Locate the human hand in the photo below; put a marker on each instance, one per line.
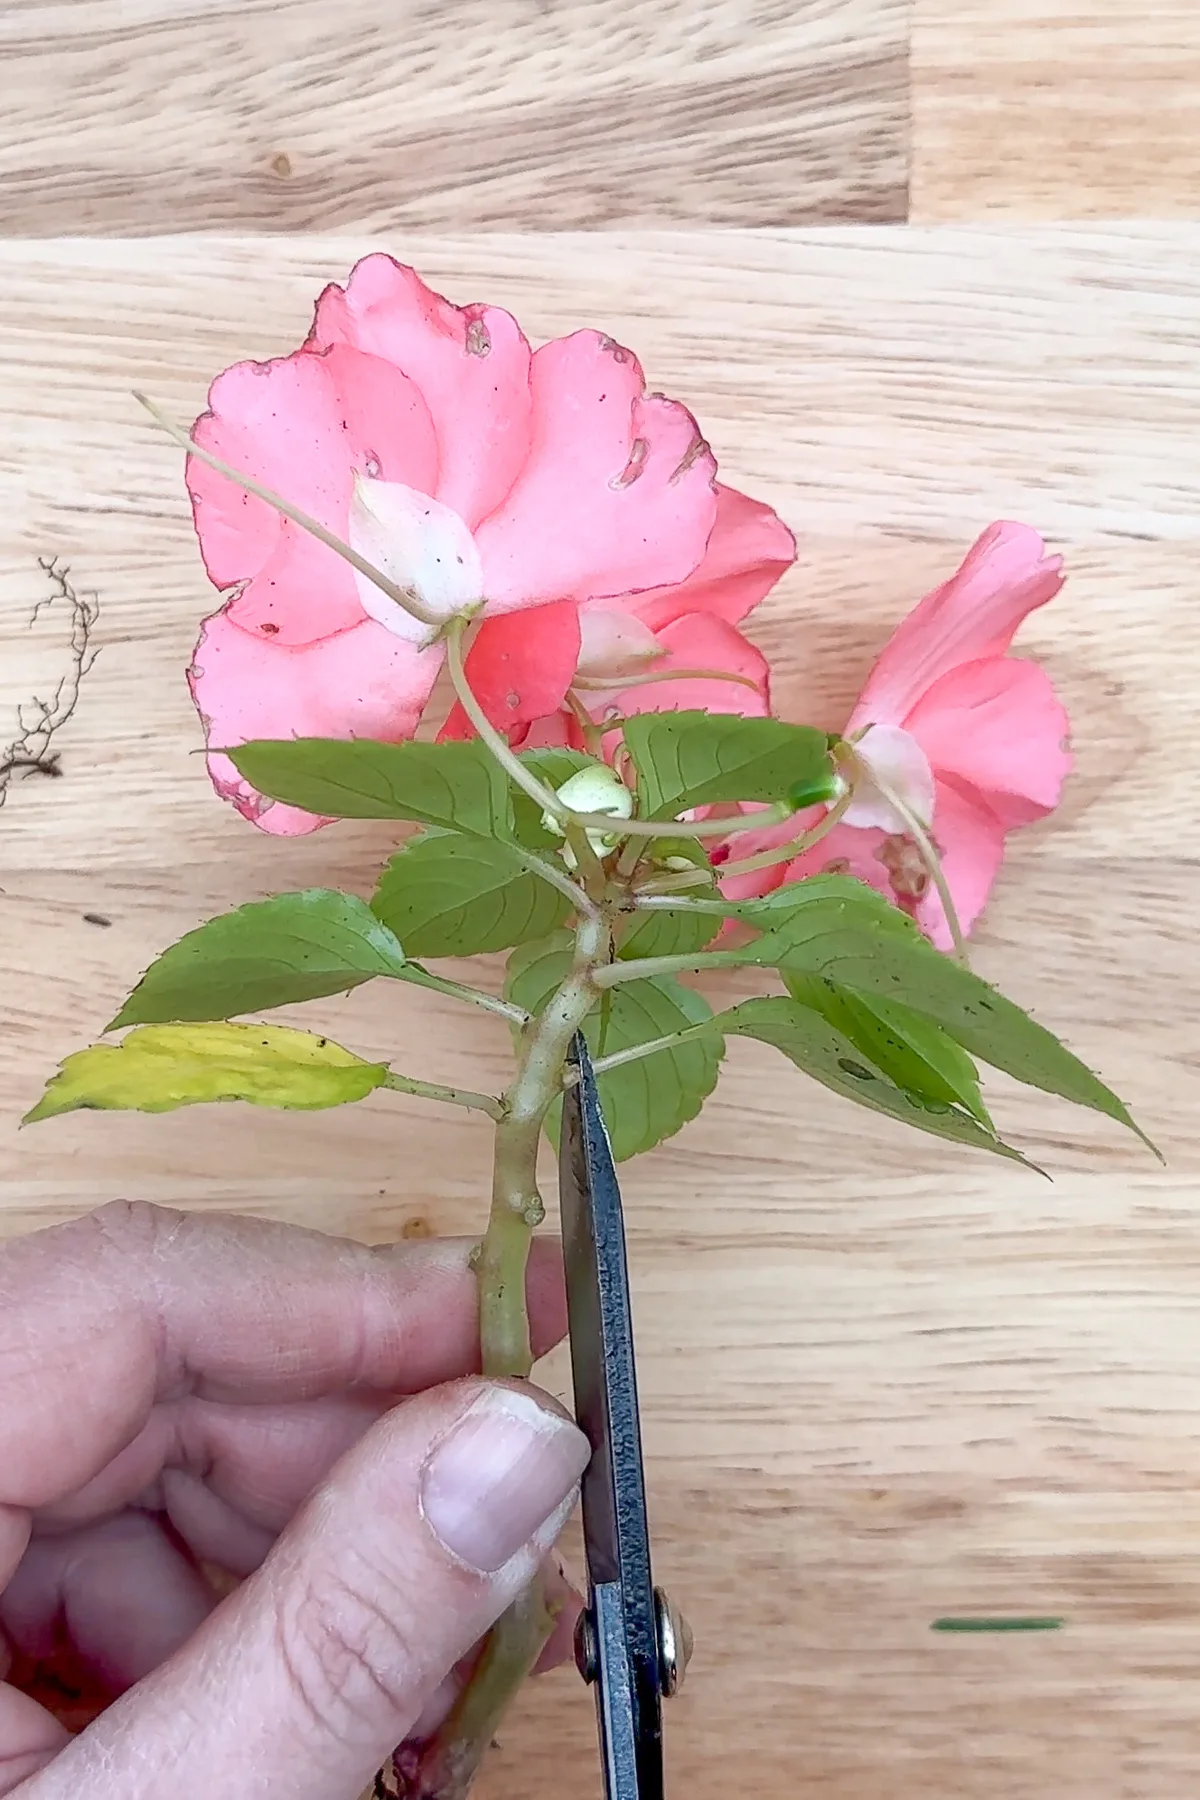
(180, 1390)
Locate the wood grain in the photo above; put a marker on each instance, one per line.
(1051, 109)
(291, 115)
(881, 1379)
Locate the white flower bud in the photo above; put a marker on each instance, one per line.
(595, 789)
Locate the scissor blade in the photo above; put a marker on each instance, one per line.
(616, 1535)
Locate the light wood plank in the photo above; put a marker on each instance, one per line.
(881, 1380)
(290, 115)
(1055, 109)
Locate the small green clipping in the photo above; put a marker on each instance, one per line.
(997, 1624)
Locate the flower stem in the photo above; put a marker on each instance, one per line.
(403, 597)
(618, 683)
(442, 1768)
(508, 759)
(931, 860)
(678, 828)
(433, 1090)
(794, 846)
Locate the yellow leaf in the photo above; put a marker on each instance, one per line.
(157, 1068)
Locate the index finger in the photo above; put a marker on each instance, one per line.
(135, 1304)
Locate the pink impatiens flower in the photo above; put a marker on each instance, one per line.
(970, 740)
(473, 473)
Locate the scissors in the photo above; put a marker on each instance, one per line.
(631, 1643)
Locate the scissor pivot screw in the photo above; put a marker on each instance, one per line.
(674, 1643)
(586, 1654)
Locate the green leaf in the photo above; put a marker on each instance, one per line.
(160, 1067)
(554, 767)
(686, 759)
(669, 932)
(822, 1051)
(270, 953)
(448, 895)
(910, 1049)
(834, 926)
(458, 786)
(647, 1101)
(535, 971)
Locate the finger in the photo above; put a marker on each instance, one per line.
(102, 1318)
(124, 1594)
(29, 1738)
(566, 1605)
(302, 1681)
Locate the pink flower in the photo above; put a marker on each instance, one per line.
(520, 669)
(472, 472)
(969, 739)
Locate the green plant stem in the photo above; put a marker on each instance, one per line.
(402, 596)
(458, 990)
(637, 1051)
(724, 909)
(516, 1203)
(794, 846)
(603, 684)
(539, 865)
(444, 1766)
(929, 856)
(643, 968)
(433, 1090)
(677, 828)
(508, 759)
(593, 734)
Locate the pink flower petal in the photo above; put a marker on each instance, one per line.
(847, 850)
(971, 840)
(422, 547)
(617, 493)
(894, 761)
(969, 837)
(519, 668)
(360, 683)
(471, 364)
(999, 726)
(698, 641)
(974, 615)
(749, 549)
(302, 424)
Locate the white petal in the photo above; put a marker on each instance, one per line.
(614, 644)
(902, 766)
(420, 545)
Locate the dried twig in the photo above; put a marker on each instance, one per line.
(38, 719)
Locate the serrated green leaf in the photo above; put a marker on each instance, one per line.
(458, 786)
(910, 1049)
(448, 895)
(822, 1051)
(646, 1101)
(687, 759)
(835, 926)
(535, 971)
(157, 1068)
(554, 766)
(270, 953)
(672, 931)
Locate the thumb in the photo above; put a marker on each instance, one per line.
(302, 1682)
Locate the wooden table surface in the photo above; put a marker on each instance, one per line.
(916, 268)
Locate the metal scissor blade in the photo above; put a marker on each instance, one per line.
(623, 1618)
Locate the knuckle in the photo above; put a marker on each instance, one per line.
(126, 1225)
(348, 1650)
